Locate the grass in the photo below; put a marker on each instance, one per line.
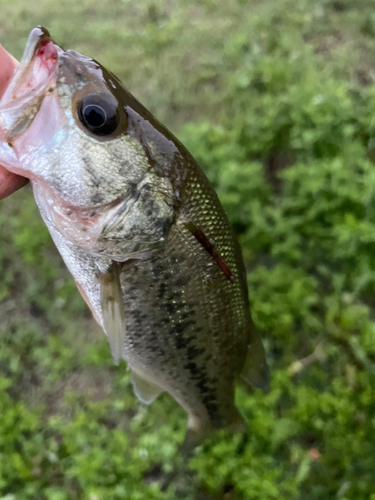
(276, 100)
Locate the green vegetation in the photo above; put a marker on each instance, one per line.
(276, 99)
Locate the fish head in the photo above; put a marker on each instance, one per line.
(68, 125)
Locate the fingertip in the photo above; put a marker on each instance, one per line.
(9, 183)
(8, 65)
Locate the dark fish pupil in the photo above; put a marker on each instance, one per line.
(94, 116)
(98, 113)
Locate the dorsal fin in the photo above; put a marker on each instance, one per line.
(255, 372)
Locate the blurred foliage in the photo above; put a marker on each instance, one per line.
(276, 100)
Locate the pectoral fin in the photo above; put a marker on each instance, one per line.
(113, 309)
(145, 390)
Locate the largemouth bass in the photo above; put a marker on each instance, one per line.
(141, 230)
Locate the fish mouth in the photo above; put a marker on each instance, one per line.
(34, 78)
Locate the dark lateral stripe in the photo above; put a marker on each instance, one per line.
(207, 393)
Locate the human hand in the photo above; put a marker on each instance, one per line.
(8, 182)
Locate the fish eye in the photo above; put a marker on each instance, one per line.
(99, 113)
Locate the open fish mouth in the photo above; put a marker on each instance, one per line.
(34, 78)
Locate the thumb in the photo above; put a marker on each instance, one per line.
(8, 182)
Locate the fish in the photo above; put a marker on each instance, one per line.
(141, 230)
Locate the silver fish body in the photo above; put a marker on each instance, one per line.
(140, 229)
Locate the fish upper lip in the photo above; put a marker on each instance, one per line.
(38, 39)
(35, 75)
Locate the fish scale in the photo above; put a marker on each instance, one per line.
(141, 230)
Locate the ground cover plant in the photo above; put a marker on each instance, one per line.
(276, 100)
